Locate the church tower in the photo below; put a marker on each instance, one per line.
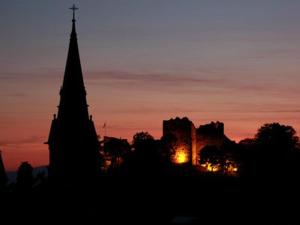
(73, 142)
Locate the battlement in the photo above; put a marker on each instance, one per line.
(213, 129)
(179, 124)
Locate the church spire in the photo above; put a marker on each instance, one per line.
(73, 89)
(73, 141)
(73, 8)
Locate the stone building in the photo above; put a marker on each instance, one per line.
(211, 134)
(183, 133)
(189, 141)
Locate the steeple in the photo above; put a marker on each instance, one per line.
(73, 94)
(73, 142)
(73, 8)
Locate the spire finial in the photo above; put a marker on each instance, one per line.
(73, 8)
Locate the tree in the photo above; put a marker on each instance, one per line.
(270, 153)
(168, 144)
(277, 138)
(140, 139)
(212, 155)
(146, 156)
(117, 149)
(25, 177)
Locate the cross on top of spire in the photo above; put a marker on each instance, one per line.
(73, 8)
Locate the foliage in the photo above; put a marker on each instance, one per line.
(168, 145)
(117, 149)
(272, 152)
(141, 138)
(277, 138)
(25, 177)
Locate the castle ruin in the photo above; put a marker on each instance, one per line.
(189, 141)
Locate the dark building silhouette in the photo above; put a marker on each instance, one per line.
(3, 176)
(211, 134)
(73, 141)
(190, 140)
(185, 134)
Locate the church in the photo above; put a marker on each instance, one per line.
(73, 141)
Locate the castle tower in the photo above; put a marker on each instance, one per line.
(211, 134)
(183, 133)
(73, 142)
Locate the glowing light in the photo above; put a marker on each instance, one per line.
(210, 167)
(232, 167)
(181, 156)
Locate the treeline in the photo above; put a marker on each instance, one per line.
(273, 154)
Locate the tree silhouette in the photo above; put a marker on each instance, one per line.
(279, 139)
(269, 154)
(168, 144)
(214, 156)
(117, 149)
(146, 156)
(25, 177)
(140, 139)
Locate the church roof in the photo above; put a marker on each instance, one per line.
(73, 72)
(73, 102)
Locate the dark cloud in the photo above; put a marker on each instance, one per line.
(148, 77)
(213, 82)
(26, 140)
(40, 73)
(16, 95)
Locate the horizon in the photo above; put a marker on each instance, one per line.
(144, 62)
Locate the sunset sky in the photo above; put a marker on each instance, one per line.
(145, 61)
